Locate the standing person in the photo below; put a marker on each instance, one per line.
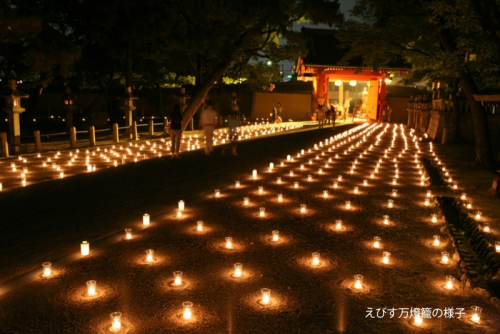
(233, 124)
(321, 115)
(279, 110)
(208, 120)
(175, 130)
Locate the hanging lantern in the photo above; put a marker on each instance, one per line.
(352, 82)
(338, 82)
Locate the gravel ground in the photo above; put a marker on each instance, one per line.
(304, 298)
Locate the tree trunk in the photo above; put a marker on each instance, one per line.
(456, 112)
(484, 151)
(202, 91)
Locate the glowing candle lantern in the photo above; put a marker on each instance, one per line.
(217, 193)
(177, 277)
(116, 322)
(145, 219)
(128, 233)
(237, 269)
(254, 174)
(497, 246)
(278, 180)
(436, 240)
(469, 204)
(237, 184)
(245, 200)
(455, 186)
(365, 182)
(445, 257)
(291, 173)
(394, 181)
(376, 242)
(303, 208)
(372, 175)
(418, 320)
(339, 178)
(386, 220)
(262, 211)
(47, 269)
(266, 296)
(338, 224)
(301, 166)
(181, 205)
(394, 192)
(309, 178)
(179, 213)
(434, 218)
(449, 282)
(348, 205)
(335, 185)
(476, 314)
(85, 248)
(296, 185)
(91, 287)
(276, 234)
(390, 203)
(187, 306)
(229, 243)
(325, 193)
(149, 255)
(463, 196)
(261, 190)
(320, 171)
(478, 215)
(386, 256)
(428, 193)
(288, 157)
(427, 201)
(358, 280)
(1, 186)
(282, 164)
(61, 175)
(486, 228)
(315, 259)
(271, 166)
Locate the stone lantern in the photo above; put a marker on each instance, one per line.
(233, 100)
(182, 100)
(13, 109)
(127, 105)
(68, 102)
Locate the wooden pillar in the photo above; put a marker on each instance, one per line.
(72, 137)
(151, 128)
(4, 144)
(381, 100)
(165, 125)
(92, 136)
(116, 135)
(38, 141)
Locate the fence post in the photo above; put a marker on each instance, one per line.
(151, 128)
(116, 135)
(5, 144)
(92, 135)
(134, 131)
(72, 137)
(38, 141)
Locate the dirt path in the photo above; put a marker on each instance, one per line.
(304, 298)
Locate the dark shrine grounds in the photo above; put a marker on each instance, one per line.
(47, 221)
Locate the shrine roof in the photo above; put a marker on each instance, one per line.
(325, 50)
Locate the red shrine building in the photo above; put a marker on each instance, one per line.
(349, 87)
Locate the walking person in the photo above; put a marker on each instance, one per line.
(233, 124)
(175, 131)
(208, 120)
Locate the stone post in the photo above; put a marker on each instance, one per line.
(38, 141)
(165, 125)
(4, 144)
(72, 137)
(128, 107)
(116, 135)
(135, 136)
(13, 109)
(92, 136)
(151, 128)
